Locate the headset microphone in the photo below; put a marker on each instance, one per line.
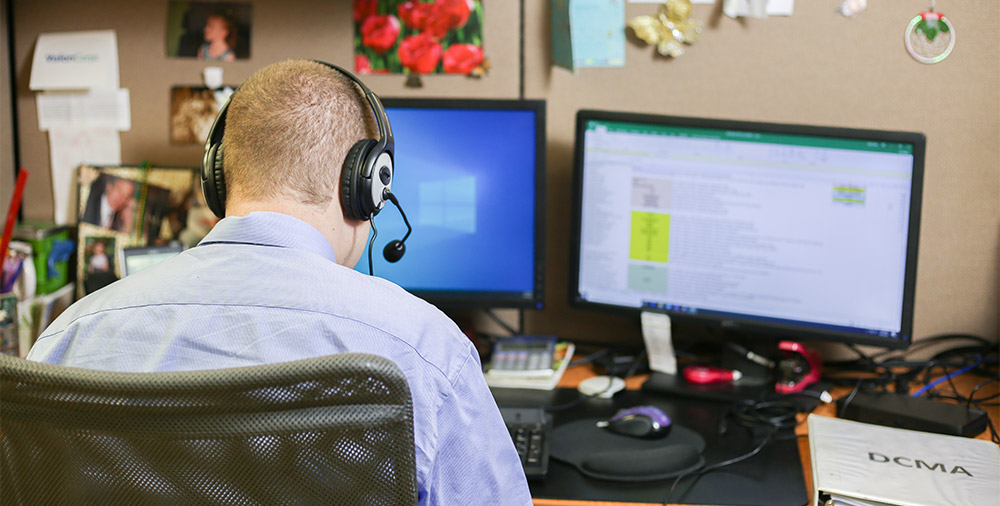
(395, 249)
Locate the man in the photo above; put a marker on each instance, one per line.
(113, 207)
(273, 282)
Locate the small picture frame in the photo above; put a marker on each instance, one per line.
(121, 207)
(209, 31)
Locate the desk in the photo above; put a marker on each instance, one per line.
(574, 375)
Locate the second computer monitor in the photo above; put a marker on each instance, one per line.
(470, 176)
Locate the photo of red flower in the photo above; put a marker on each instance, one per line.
(420, 53)
(418, 36)
(462, 58)
(380, 32)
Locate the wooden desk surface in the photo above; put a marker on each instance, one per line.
(575, 375)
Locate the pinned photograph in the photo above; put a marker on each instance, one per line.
(99, 264)
(419, 37)
(192, 111)
(209, 31)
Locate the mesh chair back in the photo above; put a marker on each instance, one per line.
(329, 430)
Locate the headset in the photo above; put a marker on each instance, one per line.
(366, 177)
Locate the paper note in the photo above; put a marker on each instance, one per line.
(588, 33)
(758, 8)
(95, 108)
(70, 146)
(707, 2)
(659, 342)
(75, 61)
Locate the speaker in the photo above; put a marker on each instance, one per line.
(366, 176)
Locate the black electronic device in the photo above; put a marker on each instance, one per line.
(529, 427)
(472, 172)
(753, 231)
(914, 413)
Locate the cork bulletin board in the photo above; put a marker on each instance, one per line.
(814, 67)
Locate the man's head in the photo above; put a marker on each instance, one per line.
(288, 129)
(119, 192)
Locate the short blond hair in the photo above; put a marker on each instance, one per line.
(288, 129)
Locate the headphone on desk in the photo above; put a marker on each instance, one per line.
(366, 176)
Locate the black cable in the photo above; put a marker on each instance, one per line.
(495, 318)
(850, 398)
(697, 473)
(371, 270)
(969, 401)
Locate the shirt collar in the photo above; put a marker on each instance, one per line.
(270, 229)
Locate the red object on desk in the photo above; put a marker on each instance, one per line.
(703, 374)
(15, 204)
(804, 366)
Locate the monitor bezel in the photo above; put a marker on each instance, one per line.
(465, 299)
(748, 327)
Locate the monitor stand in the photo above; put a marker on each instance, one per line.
(757, 381)
(663, 383)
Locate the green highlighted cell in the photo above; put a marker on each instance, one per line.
(647, 278)
(650, 236)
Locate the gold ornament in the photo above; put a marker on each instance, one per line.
(670, 27)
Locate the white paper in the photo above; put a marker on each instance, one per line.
(758, 8)
(659, 342)
(75, 61)
(94, 108)
(706, 2)
(71, 146)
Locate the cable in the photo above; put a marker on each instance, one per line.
(697, 473)
(948, 377)
(495, 318)
(850, 398)
(371, 270)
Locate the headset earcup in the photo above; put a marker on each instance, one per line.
(353, 190)
(213, 181)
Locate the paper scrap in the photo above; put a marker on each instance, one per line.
(758, 8)
(588, 33)
(71, 146)
(75, 61)
(94, 108)
(659, 342)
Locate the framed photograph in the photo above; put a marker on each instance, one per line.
(192, 111)
(134, 206)
(209, 31)
(99, 269)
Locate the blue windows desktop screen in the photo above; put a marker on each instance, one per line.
(468, 175)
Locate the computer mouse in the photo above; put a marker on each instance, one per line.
(638, 421)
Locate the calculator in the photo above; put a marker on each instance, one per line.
(523, 356)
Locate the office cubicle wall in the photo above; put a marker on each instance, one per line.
(815, 67)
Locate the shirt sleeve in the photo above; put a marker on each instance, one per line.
(476, 462)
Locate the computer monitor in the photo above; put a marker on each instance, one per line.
(137, 258)
(763, 229)
(470, 176)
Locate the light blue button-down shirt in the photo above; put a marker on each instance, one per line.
(265, 288)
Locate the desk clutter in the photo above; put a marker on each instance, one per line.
(731, 442)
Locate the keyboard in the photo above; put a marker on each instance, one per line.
(529, 427)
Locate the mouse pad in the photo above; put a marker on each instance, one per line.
(605, 455)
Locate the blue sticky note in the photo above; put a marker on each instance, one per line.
(588, 33)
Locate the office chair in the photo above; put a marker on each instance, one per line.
(328, 430)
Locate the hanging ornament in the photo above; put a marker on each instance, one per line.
(929, 37)
(670, 28)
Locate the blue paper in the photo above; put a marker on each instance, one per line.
(588, 33)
